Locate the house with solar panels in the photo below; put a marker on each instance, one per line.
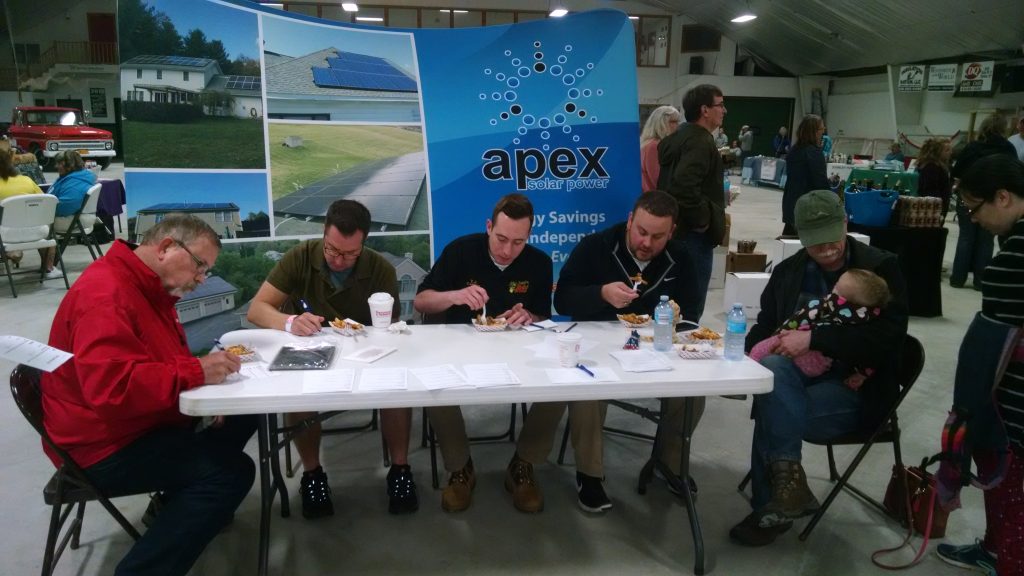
(330, 84)
(224, 217)
(182, 79)
(212, 297)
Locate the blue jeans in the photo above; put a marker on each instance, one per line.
(798, 407)
(973, 249)
(204, 477)
(701, 251)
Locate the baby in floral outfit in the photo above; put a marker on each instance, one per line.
(858, 297)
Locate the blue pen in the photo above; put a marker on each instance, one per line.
(305, 306)
(585, 369)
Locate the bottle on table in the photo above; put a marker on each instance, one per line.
(735, 332)
(663, 327)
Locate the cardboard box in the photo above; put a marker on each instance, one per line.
(728, 227)
(753, 262)
(718, 268)
(746, 288)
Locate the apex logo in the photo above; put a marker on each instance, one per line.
(532, 164)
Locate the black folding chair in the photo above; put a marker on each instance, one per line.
(69, 485)
(911, 363)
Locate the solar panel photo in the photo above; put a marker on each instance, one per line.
(362, 72)
(387, 187)
(243, 82)
(170, 61)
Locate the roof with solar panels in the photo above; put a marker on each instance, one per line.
(187, 63)
(332, 72)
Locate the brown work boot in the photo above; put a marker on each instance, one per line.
(519, 480)
(458, 494)
(791, 498)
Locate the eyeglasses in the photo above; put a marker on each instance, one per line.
(972, 210)
(202, 268)
(719, 105)
(333, 252)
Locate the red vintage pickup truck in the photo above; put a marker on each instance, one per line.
(46, 130)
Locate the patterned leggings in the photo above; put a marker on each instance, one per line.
(1004, 515)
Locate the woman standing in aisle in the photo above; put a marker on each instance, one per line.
(933, 171)
(974, 244)
(662, 122)
(805, 168)
(992, 193)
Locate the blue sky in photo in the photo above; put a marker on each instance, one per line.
(236, 29)
(296, 38)
(248, 190)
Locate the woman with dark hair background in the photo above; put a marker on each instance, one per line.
(933, 171)
(974, 245)
(805, 168)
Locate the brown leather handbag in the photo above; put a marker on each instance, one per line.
(921, 488)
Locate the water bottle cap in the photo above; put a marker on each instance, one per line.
(737, 305)
(664, 298)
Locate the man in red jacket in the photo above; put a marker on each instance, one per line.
(114, 406)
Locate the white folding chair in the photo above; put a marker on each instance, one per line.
(25, 224)
(81, 224)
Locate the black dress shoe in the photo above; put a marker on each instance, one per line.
(750, 531)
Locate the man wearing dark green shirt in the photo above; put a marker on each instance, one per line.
(325, 279)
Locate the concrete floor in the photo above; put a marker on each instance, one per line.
(640, 535)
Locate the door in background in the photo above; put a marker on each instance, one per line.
(763, 115)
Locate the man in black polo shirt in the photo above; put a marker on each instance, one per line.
(499, 269)
(600, 280)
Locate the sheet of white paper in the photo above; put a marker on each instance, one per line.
(322, 381)
(250, 371)
(254, 371)
(641, 360)
(577, 376)
(370, 353)
(487, 375)
(439, 377)
(377, 379)
(548, 348)
(29, 352)
(542, 325)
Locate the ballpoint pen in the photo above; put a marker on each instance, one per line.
(305, 305)
(585, 369)
(571, 326)
(218, 345)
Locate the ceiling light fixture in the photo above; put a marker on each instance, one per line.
(369, 18)
(745, 17)
(558, 12)
(634, 17)
(350, 7)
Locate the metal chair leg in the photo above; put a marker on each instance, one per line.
(833, 473)
(743, 484)
(76, 533)
(565, 441)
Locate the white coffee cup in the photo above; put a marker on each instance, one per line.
(569, 349)
(380, 309)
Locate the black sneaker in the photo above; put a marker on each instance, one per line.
(316, 494)
(591, 494)
(402, 497)
(756, 530)
(156, 503)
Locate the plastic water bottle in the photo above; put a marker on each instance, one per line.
(735, 332)
(725, 186)
(663, 325)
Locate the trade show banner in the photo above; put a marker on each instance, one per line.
(256, 120)
(427, 127)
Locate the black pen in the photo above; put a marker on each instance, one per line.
(571, 326)
(218, 345)
(585, 369)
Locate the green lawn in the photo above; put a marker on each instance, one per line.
(327, 150)
(208, 143)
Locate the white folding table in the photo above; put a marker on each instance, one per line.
(432, 345)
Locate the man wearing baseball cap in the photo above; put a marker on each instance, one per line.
(816, 408)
